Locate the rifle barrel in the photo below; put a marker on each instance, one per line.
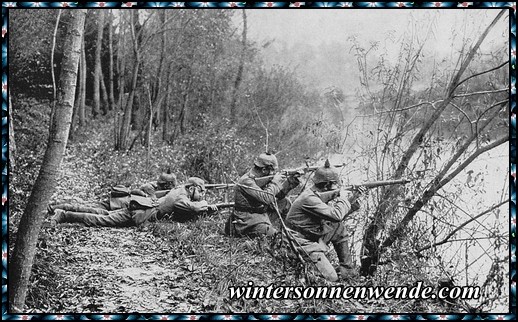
(225, 205)
(375, 184)
(219, 185)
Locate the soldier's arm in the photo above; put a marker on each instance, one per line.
(334, 211)
(265, 196)
(187, 206)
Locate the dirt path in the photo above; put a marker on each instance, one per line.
(108, 270)
(118, 270)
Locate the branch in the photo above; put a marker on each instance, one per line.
(472, 52)
(428, 194)
(482, 92)
(460, 110)
(478, 74)
(445, 240)
(262, 124)
(460, 151)
(470, 159)
(402, 109)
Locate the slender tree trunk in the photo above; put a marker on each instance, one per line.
(82, 85)
(110, 53)
(30, 224)
(97, 67)
(121, 72)
(53, 111)
(372, 247)
(104, 95)
(128, 109)
(239, 75)
(79, 102)
(126, 118)
(12, 143)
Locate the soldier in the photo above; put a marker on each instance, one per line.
(119, 197)
(254, 199)
(316, 219)
(185, 200)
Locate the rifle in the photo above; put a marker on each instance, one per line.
(224, 205)
(330, 195)
(262, 181)
(161, 193)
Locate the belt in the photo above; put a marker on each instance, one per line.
(251, 209)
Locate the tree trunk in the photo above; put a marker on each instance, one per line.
(12, 144)
(104, 95)
(110, 72)
(239, 75)
(79, 105)
(372, 248)
(97, 68)
(82, 85)
(121, 72)
(126, 118)
(32, 218)
(52, 67)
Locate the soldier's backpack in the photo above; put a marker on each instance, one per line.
(119, 197)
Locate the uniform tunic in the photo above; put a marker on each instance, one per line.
(176, 201)
(314, 223)
(251, 206)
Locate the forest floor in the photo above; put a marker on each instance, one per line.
(164, 267)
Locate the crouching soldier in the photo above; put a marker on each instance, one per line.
(254, 199)
(185, 200)
(316, 219)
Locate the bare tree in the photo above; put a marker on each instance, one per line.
(32, 218)
(373, 246)
(97, 67)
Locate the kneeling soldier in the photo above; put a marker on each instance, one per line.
(316, 219)
(254, 200)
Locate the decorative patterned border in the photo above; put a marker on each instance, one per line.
(5, 131)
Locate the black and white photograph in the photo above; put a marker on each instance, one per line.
(259, 161)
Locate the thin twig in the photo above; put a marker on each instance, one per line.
(445, 240)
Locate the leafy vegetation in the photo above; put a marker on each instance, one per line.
(173, 74)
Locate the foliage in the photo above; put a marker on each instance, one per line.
(215, 151)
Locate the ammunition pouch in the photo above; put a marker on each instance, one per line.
(139, 202)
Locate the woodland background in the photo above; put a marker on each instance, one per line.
(190, 90)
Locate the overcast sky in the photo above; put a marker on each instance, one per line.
(317, 25)
(314, 30)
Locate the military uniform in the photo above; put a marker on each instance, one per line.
(253, 204)
(139, 210)
(251, 207)
(315, 223)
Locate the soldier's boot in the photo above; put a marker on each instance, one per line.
(324, 266)
(57, 217)
(77, 208)
(346, 268)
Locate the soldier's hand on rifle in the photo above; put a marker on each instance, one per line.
(278, 178)
(293, 181)
(359, 191)
(213, 208)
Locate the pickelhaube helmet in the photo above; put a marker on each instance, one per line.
(327, 173)
(266, 160)
(166, 180)
(196, 182)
